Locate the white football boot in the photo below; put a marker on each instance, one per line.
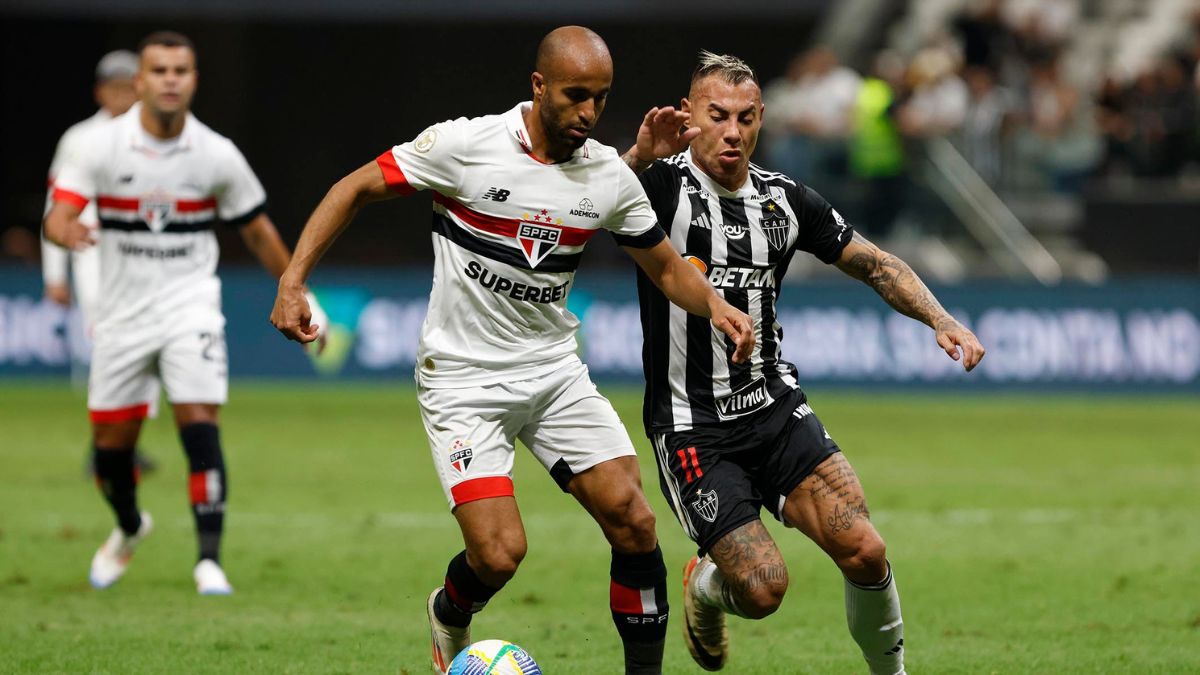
(704, 628)
(447, 641)
(210, 579)
(112, 558)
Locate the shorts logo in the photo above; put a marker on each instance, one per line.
(775, 224)
(705, 505)
(156, 209)
(426, 140)
(749, 398)
(461, 455)
(539, 237)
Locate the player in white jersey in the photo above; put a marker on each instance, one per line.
(516, 197)
(160, 179)
(729, 438)
(114, 93)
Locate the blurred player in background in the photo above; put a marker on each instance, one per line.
(729, 437)
(114, 92)
(517, 195)
(161, 180)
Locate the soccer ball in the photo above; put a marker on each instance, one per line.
(493, 657)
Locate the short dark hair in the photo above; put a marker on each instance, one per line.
(166, 38)
(729, 68)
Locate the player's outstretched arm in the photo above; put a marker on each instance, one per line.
(661, 135)
(292, 314)
(896, 283)
(62, 227)
(685, 286)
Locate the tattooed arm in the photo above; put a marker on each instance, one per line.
(897, 284)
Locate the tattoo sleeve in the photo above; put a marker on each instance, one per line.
(631, 160)
(894, 281)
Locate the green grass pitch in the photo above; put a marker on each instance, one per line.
(1029, 535)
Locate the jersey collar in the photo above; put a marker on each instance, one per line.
(140, 140)
(514, 119)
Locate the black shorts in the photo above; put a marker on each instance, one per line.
(718, 478)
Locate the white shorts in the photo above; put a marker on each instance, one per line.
(127, 367)
(567, 424)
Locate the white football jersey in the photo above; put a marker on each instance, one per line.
(508, 233)
(55, 259)
(157, 201)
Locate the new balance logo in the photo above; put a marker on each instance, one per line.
(702, 221)
(128, 178)
(497, 194)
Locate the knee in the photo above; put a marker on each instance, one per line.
(760, 600)
(866, 560)
(498, 560)
(629, 524)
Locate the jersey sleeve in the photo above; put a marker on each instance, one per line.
(431, 161)
(240, 196)
(633, 223)
(661, 182)
(823, 231)
(76, 168)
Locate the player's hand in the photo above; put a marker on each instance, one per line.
(292, 316)
(320, 320)
(59, 294)
(76, 236)
(737, 325)
(953, 336)
(662, 134)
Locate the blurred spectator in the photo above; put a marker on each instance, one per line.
(876, 148)
(19, 245)
(938, 104)
(1062, 132)
(989, 110)
(813, 108)
(1162, 114)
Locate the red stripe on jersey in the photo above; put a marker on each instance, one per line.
(393, 175)
(624, 599)
(508, 227)
(198, 487)
(68, 197)
(133, 204)
(481, 488)
(133, 412)
(194, 205)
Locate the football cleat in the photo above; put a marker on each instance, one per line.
(210, 579)
(704, 628)
(447, 641)
(112, 558)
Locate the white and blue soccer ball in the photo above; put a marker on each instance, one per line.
(493, 657)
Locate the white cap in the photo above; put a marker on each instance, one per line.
(121, 64)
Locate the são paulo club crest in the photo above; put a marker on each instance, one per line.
(461, 455)
(538, 236)
(775, 224)
(156, 209)
(705, 504)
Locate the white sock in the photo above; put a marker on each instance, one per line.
(712, 589)
(873, 616)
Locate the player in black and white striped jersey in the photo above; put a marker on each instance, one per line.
(731, 438)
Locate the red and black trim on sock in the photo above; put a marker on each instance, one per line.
(208, 487)
(463, 595)
(638, 598)
(117, 477)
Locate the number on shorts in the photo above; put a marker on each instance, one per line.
(211, 340)
(684, 458)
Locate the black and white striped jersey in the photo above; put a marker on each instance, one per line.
(743, 242)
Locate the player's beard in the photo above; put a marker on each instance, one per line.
(556, 132)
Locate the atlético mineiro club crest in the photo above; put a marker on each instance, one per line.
(775, 224)
(538, 236)
(461, 455)
(156, 209)
(705, 504)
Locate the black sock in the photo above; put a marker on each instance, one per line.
(638, 597)
(464, 593)
(207, 486)
(117, 478)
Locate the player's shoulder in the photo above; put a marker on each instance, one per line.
(776, 178)
(597, 152)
